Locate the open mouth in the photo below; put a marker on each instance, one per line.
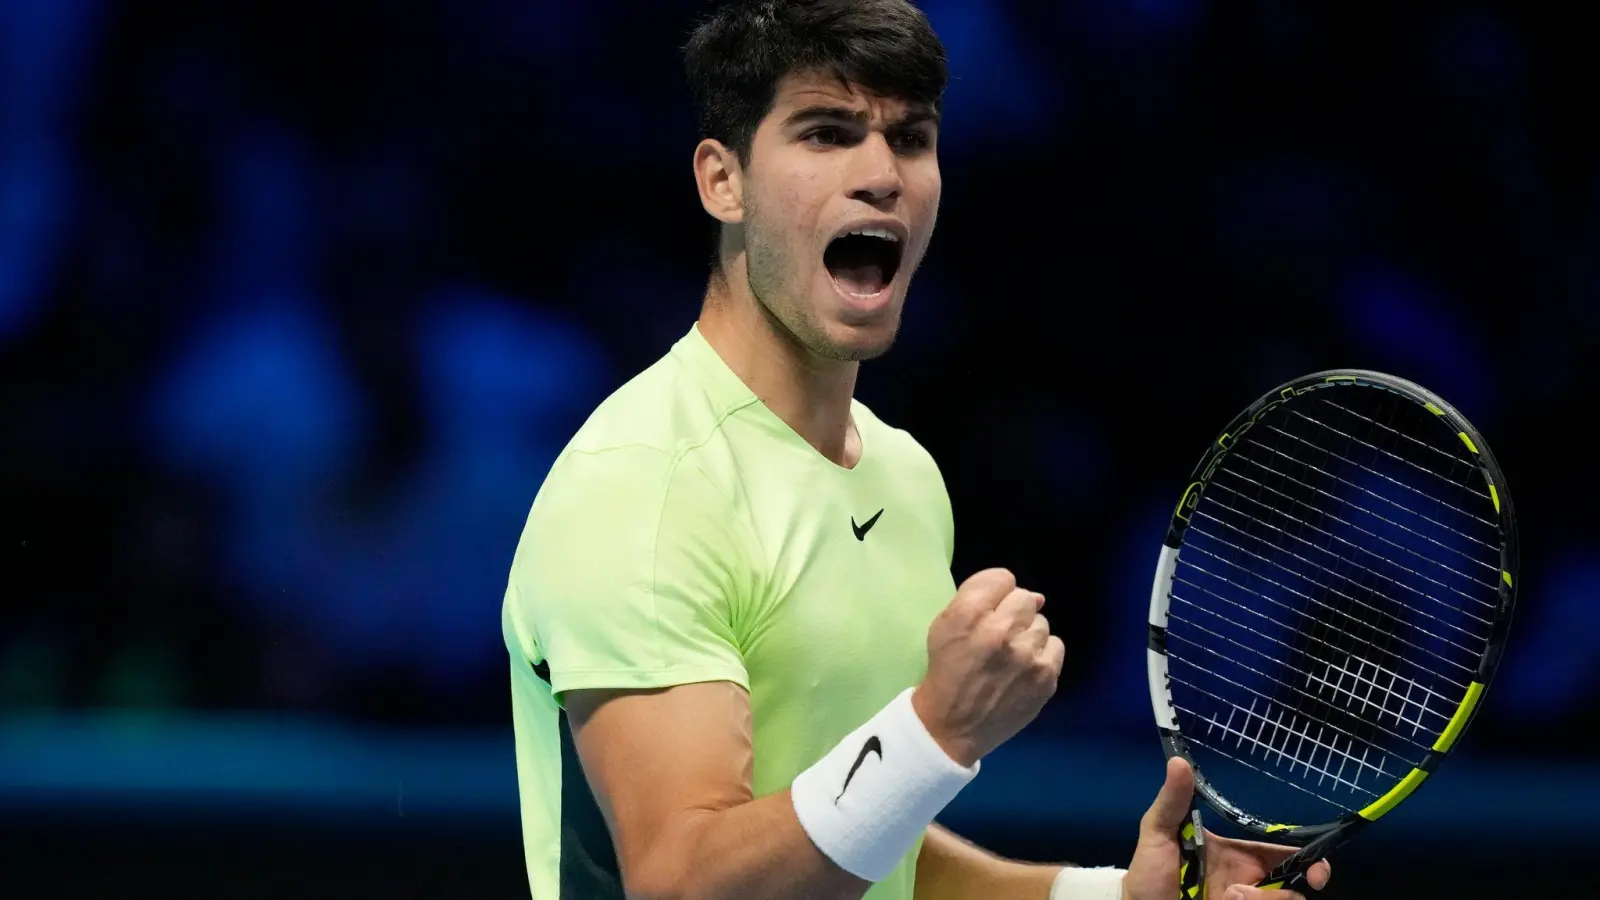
(863, 262)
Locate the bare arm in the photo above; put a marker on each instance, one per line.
(950, 868)
(671, 772)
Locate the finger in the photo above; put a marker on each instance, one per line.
(1033, 638)
(1172, 804)
(1317, 876)
(1017, 611)
(1269, 854)
(980, 594)
(1053, 655)
(991, 585)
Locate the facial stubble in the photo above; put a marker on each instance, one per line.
(776, 272)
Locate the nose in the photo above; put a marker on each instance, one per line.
(876, 178)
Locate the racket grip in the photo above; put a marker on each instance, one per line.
(1192, 859)
(1290, 875)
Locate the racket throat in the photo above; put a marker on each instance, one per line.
(1291, 873)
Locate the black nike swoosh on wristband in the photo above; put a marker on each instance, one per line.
(873, 745)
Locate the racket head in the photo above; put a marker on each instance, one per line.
(1351, 567)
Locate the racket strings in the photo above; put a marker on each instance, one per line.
(1357, 508)
(1392, 480)
(1324, 622)
(1298, 733)
(1456, 461)
(1351, 584)
(1343, 542)
(1397, 505)
(1276, 641)
(1328, 668)
(1337, 806)
(1281, 625)
(1260, 695)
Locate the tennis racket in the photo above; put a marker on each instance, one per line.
(1329, 608)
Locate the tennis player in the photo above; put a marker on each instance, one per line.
(740, 665)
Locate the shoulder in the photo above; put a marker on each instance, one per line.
(663, 420)
(667, 408)
(653, 466)
(632, 525)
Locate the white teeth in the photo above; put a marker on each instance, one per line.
(883, 233)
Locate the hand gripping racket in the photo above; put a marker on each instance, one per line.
(1329, 608)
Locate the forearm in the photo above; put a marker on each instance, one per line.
(755, 849)
(952, 868)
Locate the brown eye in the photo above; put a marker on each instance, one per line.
(912, 140)
(826, 136)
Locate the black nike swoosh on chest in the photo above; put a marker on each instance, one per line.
(862, 529)
(873, 745)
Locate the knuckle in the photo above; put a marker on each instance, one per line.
(1020, 651)
(993, 633)
(961, 612)
(992, 582)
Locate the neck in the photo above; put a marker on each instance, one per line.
(809, 393)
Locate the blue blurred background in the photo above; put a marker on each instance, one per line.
(298, 302)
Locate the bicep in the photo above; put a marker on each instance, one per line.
(657, 760)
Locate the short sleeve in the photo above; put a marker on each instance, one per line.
(628, 574)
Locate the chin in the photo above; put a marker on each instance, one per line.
(853, 327)
(857, 342)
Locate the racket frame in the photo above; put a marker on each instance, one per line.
(1315, 840)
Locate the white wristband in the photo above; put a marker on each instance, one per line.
(1088, 884)
(870, 798)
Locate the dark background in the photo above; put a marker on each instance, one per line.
(298, 302)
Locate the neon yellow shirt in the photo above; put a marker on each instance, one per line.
(687, 534)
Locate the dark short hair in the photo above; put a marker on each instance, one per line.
(742, 49)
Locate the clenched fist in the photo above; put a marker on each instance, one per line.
(992, 664)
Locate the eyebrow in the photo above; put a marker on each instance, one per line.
(916, 115)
